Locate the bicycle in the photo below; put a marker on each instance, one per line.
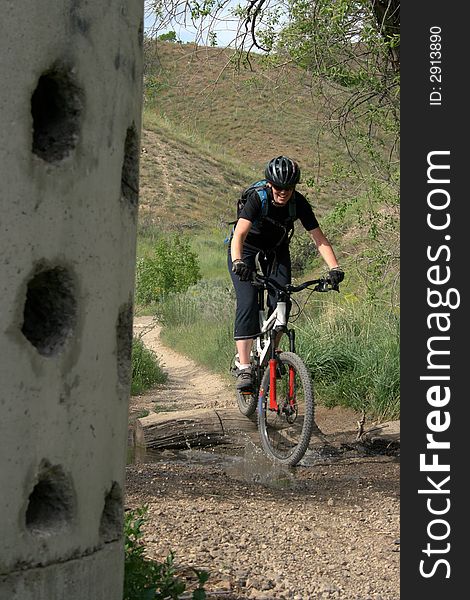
(282, 387)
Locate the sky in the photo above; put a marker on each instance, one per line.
(226, 29)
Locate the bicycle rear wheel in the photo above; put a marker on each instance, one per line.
(247, 401)
(285, 433)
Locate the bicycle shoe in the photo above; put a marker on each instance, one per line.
(244, 380)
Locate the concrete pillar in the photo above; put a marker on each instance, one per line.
(70, 108)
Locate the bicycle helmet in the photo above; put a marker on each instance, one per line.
(282, 172)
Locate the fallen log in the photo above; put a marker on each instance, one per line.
(191, 428)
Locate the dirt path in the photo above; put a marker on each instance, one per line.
(328, 528)
(188, 385)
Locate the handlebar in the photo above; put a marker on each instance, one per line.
(321, 285)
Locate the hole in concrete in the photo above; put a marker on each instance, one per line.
(50, 310)
(51, 504)
(56, 107)
(112, 517)
(130, 169)
(124, 344)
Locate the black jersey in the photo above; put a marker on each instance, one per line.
(267, 233)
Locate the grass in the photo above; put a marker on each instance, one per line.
(210, 127)
(186, 183)
(207, 91)
(351, 347)
(146, 369)
(353, 350)
(212, 253)
(199, 323)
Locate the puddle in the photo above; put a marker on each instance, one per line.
(253, 466)
(248, 463)
(136, 454)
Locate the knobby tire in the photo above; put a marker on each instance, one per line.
(247, 403)
(283, 441)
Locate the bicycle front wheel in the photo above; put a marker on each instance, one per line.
(285, 431)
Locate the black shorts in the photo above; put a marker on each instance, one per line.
(276, 265)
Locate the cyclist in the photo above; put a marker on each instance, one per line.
(267, 233)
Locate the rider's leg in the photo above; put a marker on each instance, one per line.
(246, 322)
(244, 349)
(246, 315)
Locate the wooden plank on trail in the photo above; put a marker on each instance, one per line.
(199, 427)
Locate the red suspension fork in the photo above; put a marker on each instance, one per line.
(291, 385)
(272, 384)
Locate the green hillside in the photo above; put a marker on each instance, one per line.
(222, 125)
(254, 114)
(210, 125)
(185, 183)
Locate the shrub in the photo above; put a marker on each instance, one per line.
(146, 579)
(208, 300)
(172, 267)
(146, 370)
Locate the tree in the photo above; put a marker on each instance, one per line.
(170, 36)
(354, 47)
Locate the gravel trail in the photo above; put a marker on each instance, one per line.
(329, 528)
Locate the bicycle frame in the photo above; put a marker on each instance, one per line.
(276, 323)
(270, 327)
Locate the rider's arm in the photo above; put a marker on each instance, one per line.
(324, 247)
(242, 228)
